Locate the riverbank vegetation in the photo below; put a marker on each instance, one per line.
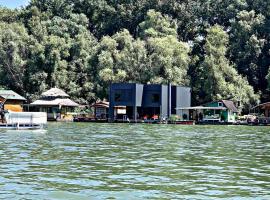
(219, 48)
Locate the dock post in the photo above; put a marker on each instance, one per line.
(135, 113)
(111, 106)
(169, 100)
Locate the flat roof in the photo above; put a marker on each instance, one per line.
(201, 108)
(120, 107)
(151, 84)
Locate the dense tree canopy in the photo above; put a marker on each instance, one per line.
(219, 48)
(219, 78)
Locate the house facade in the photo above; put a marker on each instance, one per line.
(155, 102)
(56, 103)
(181, 97)
(101, 109)
(227, 113)
(131, 101)
(125, 100)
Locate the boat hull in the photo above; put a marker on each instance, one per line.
(21, 126)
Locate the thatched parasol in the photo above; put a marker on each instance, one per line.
(54, 92)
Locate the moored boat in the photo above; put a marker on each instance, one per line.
(24, 120)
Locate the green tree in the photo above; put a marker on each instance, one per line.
(83, 45)
(121, 58)
(62, 8)
(168, 57)
(109, 17)
(14, 41)
(157, 25)
(246, 45)
(8, 15)
(219, 79)
(61, 55)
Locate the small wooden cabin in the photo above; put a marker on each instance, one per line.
(228, 114)
(217, 111)
(262, 109)
(101, 109)
(56, 103)
(13, 101)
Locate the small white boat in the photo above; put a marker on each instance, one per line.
(24, 120)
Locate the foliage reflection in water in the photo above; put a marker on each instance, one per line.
(122, 161)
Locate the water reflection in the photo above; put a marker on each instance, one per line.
(99, 161)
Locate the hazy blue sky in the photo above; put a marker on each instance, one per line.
(13, 3)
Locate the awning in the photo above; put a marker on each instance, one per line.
(201, 108)
(101, 104)
(120, 107)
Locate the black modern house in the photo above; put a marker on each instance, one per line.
(132, 101)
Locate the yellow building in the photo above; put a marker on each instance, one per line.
(12, 101)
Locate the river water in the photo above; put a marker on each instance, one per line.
(122, 161)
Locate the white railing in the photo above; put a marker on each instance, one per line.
(26, 118)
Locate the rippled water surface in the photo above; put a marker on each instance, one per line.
(121, 161)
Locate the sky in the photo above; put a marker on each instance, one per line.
(13, 3)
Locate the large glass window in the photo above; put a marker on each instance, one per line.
(118, 96)
(155, 98)
(128, 95)
(100, 111)
(123, 95)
